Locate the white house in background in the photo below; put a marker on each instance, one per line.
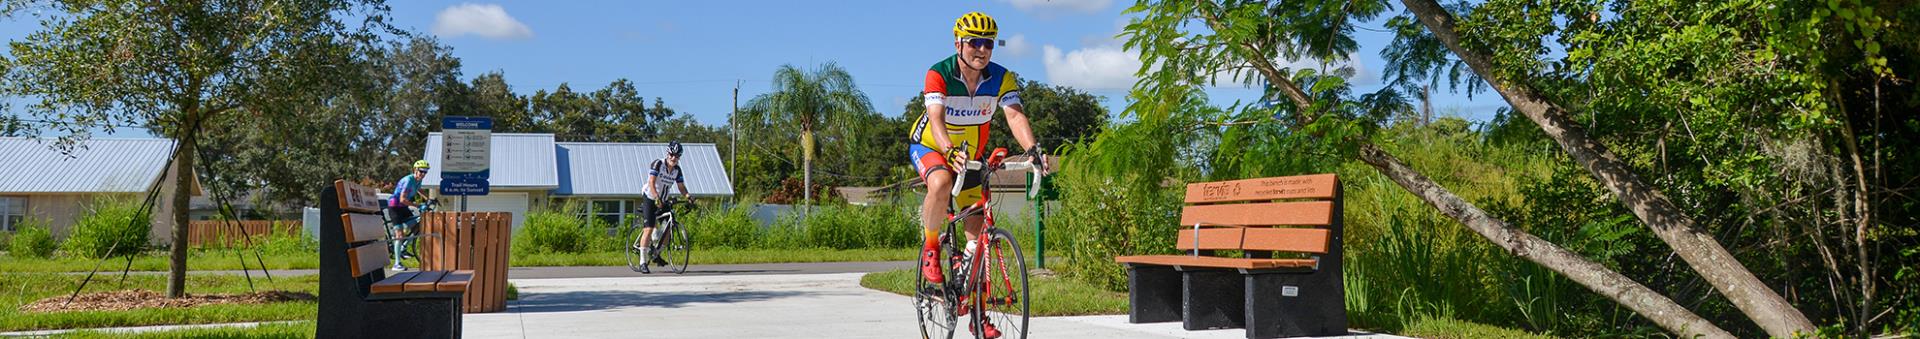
(531, 171)
(41, 183)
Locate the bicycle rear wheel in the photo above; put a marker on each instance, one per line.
(1002, 287)
(634, 261)
(677, 247)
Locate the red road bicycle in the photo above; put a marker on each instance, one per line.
(988, 283)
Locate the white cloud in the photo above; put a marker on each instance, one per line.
(1088, 6)
(1017, 46)
(1361, 75)
(485, 20)
(1103, 67)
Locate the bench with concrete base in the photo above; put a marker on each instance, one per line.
(1285, 280)
(357, 298)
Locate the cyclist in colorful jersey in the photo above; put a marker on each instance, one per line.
(962, 93)
(661, 173)
(406, 197)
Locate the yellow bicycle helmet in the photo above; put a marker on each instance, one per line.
(422, 164)
(975, 25)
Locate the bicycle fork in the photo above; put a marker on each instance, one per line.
(976, 276)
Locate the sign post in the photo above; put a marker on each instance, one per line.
(466, 154)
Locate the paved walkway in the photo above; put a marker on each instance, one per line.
(619, 271)
(749, 306)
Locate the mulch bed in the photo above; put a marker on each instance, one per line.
(139, 299)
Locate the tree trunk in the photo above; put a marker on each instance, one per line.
(1672, 225)
(1593, 276)
(806, 147)
(181, 193)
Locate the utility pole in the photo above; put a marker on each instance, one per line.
(1426, 105)
(733, 128)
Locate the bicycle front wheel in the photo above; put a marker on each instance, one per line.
(934, 302)
(634, 260)
(1002, 289)
(677, 248)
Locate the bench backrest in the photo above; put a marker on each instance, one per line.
(365, 231)
(1282, 214)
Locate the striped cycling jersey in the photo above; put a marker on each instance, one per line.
(967, 113)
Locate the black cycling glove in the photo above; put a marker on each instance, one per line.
(1039, 155)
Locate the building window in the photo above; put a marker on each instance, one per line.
(13, 212)
(607, 213)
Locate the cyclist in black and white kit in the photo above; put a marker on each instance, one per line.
(659, 174)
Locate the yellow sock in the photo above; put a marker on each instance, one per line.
(933, 238)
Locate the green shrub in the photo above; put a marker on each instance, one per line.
(850, 227)
(6, 240)
(31, 239)
(112, 226)
(554, 232)
(729, 228)
(602, 237)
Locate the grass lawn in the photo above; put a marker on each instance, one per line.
(304, 329)
(1052, 296)
(701, 256)
(197, 260)
(18, 289)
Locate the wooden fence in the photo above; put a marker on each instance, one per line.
(219, 233)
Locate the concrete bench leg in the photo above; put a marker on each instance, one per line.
(1154, 294)
(1293, 305)
(1214, 299)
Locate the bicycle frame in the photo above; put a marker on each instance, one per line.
(984, 207)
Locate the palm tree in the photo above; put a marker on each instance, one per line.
(823, 96)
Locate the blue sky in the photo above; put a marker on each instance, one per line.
(691, 53)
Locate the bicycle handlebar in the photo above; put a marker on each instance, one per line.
(995, 162)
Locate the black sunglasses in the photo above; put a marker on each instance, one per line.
(981, 43)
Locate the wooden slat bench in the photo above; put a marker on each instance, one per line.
(1286, 281)
(357, 298)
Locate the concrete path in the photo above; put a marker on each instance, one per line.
(618, 271)
(749, 306)
(517, 273)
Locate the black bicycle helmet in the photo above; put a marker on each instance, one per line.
(674, 149)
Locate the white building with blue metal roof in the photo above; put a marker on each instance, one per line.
(41, 183)
(531, 171)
